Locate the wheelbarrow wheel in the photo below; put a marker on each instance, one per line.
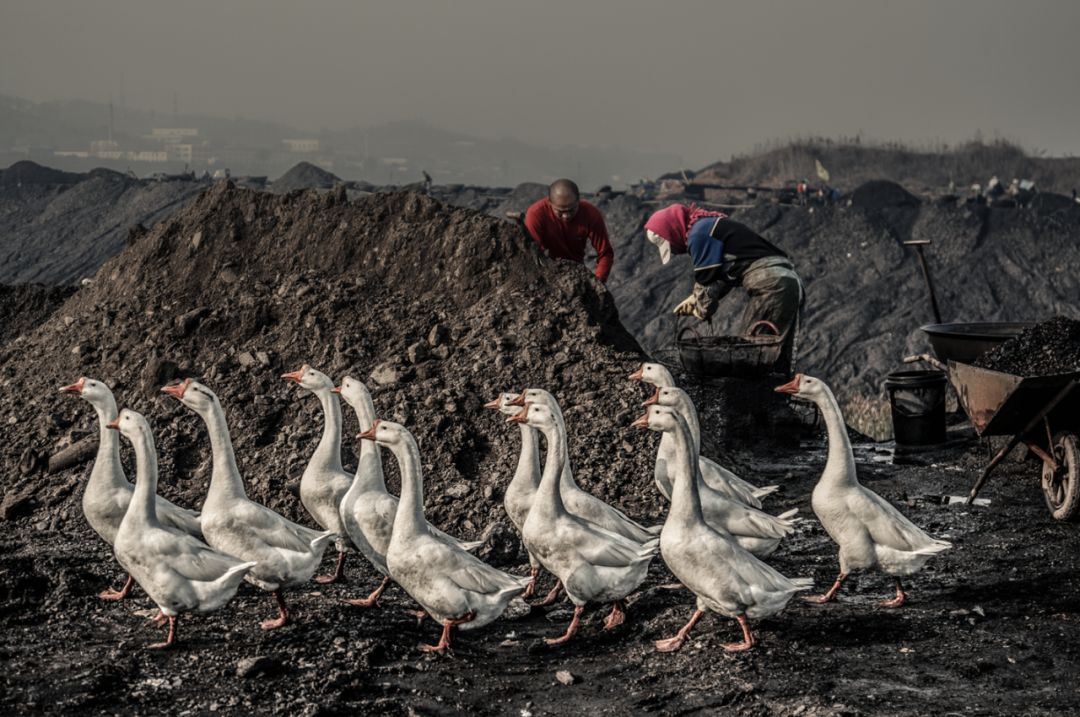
(1061, 487)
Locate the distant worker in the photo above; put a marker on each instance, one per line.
(427, 182)
(563, 222)
(727, 254)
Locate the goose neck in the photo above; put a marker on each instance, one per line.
(328, 453)
(144, 499)
(529, 459)
(410, 510)
(548, 495)
(685, 498)
(840, 463)
(108, 453)
(690, 416)
(225, 481)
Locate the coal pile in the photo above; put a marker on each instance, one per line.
(304, 175)
(26, 306)
(59, 227)
(438, 308)
(1049, 348)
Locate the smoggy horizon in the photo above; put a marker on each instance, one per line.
(697, 80)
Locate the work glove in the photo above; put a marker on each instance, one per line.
(689, 307)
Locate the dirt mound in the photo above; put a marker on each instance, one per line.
(881, 194)
(1046, 349)
(442, 307)
(25, 307)
(27, 172)
(304, 175)
(63, 227)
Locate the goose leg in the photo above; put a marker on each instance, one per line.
(900, 599)
(168, 640)
(674, 643)
(283, 614)
(531, 588)
(444, 640)
(748, 639)
(617, 616)
(161, 619)
(338, 571)
(571, 630)
(110, 594)
(371, 599)
(822, 599)
(418, 614)
(553, 595)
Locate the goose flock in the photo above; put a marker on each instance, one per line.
(714, 539)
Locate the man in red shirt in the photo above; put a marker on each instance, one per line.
(564, 221)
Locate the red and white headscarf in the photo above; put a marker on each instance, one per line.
(673, 224)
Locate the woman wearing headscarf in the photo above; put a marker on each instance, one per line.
(727, 254)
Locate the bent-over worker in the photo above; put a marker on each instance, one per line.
(563, 222)
(727, 254)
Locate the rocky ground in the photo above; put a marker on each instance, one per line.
(990, 629)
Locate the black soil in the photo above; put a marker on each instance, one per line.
(1049, 348)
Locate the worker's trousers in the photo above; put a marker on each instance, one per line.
(776, 295)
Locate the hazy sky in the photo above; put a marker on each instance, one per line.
(699, 79)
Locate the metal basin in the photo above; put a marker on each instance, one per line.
(966, 342)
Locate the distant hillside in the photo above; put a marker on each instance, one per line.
(851, 163)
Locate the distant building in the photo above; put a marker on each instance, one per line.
(301, 145)
(180, 152)
(171, 135)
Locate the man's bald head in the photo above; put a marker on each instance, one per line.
(563, 188)
(564, 197)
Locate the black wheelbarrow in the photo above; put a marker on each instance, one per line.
(1042, 412)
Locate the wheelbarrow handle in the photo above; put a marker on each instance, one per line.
(928, 359)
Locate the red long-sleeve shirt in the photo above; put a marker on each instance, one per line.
(566, 240)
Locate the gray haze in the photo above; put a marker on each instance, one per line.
(699, 79)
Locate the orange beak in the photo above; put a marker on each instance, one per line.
(114, 424)
(521, 416)
(638, 375)
(791, 386)
(653, 399)
(369, 434)
(295, 376)
(336, 389)
(176, 390)
(519, 401)
(76, 387)
(641, 421)
(495, 403)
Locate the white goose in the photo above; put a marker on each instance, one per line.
(287, 554)
(868, 529)
(368, 509)
(179, 572)
(755, 530)
(593, 563)
(522, 489)
(454, 587)
(716, 476)
(579, 502)
(325, 482)
(725, 578)
(108, 491)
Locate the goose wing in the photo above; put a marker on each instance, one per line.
(259, 523)
(189, 557)
(887, 525)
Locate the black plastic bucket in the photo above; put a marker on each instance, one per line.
(918, 407)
